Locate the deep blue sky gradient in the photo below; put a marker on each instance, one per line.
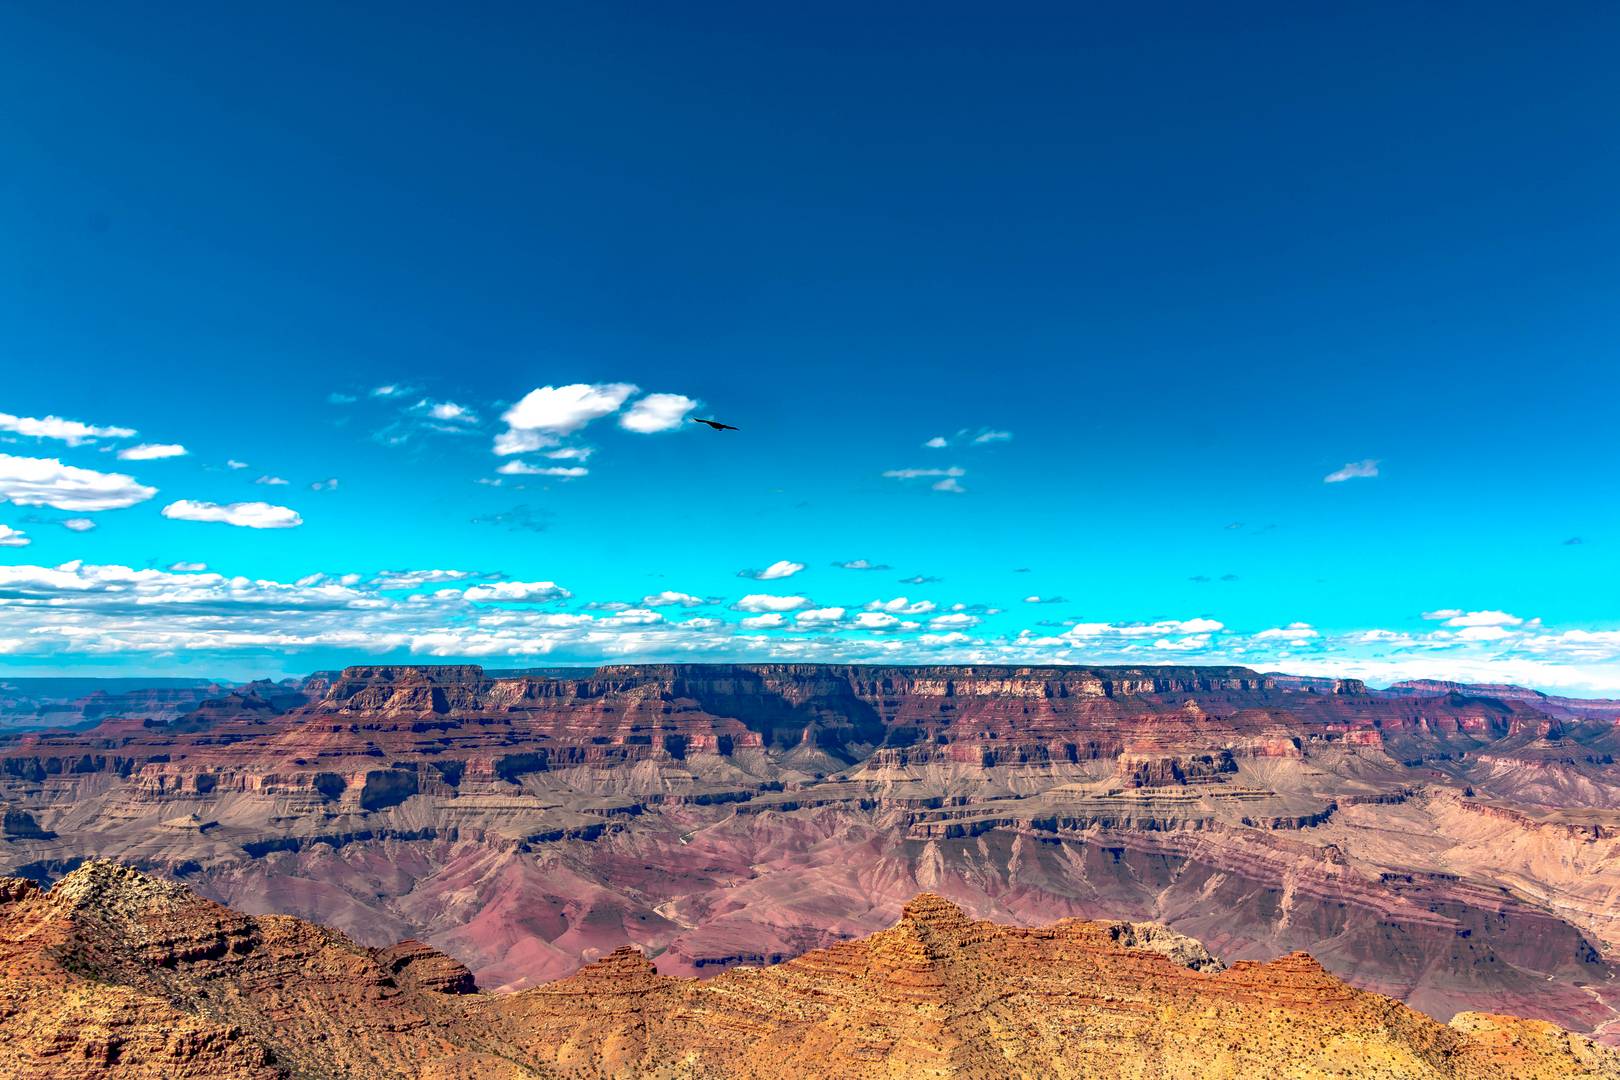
(1193, 257)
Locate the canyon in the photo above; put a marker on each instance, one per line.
(116, 975)
(1451, 847)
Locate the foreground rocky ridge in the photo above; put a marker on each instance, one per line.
(1449, 847)
(116, 974)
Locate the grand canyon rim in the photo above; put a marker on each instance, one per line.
(704, 541)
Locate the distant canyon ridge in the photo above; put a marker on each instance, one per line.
(1453, 846)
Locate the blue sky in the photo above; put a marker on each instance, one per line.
(1152, 277)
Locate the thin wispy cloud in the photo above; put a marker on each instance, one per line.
(1354, 470)
(862, 564)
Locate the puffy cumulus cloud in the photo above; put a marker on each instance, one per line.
(77, 524)
(89, 610)
(818, 617)
(901, 605)
(152, 452)
(72, 432)
(10, 537)
(1294, 631)
(245, 515)
(938, 442)
(30, 481)
(543, 415)
(782, 568)
(657, 412)
(763, 602)
(670, 598)
(862, 564)
(527, 591)
(523, 468)
(445, 412)
(1352, 470)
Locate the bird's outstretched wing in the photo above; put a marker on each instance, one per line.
(717, 425)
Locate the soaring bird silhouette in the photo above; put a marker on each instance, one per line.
(717, 425)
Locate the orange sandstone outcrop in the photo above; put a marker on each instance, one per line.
(115, 974)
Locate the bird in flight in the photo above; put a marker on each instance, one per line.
(717, 425)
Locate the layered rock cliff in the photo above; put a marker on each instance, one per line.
(1456, 850)
(113, 974)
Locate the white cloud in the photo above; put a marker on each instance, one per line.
(1476, 618)
(669, 598)
(938, 442)
(446, 411)
(875, 620)
(914, 474)
(951, 484)
(152, 452)
(188, 567)
(10, 537)
(862, 564)
(957, 621)
(232, 463)
(1352, 470)
(827, 616)
(523, 468)
(414, 579)
(71, 432)
(1295, 632)
(1443, 613)
(1044, 600)
(763, 622)
(329, 484)
(571, 453)
(1152, 629)
(544, 414)
(761, 602)
(387, 390)
(247, 515)
(271, 481)
(782, 568)
(48, 482)
(901, 605)
(77, 524)
(657, 412)
(988, 436)
(530, 591)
